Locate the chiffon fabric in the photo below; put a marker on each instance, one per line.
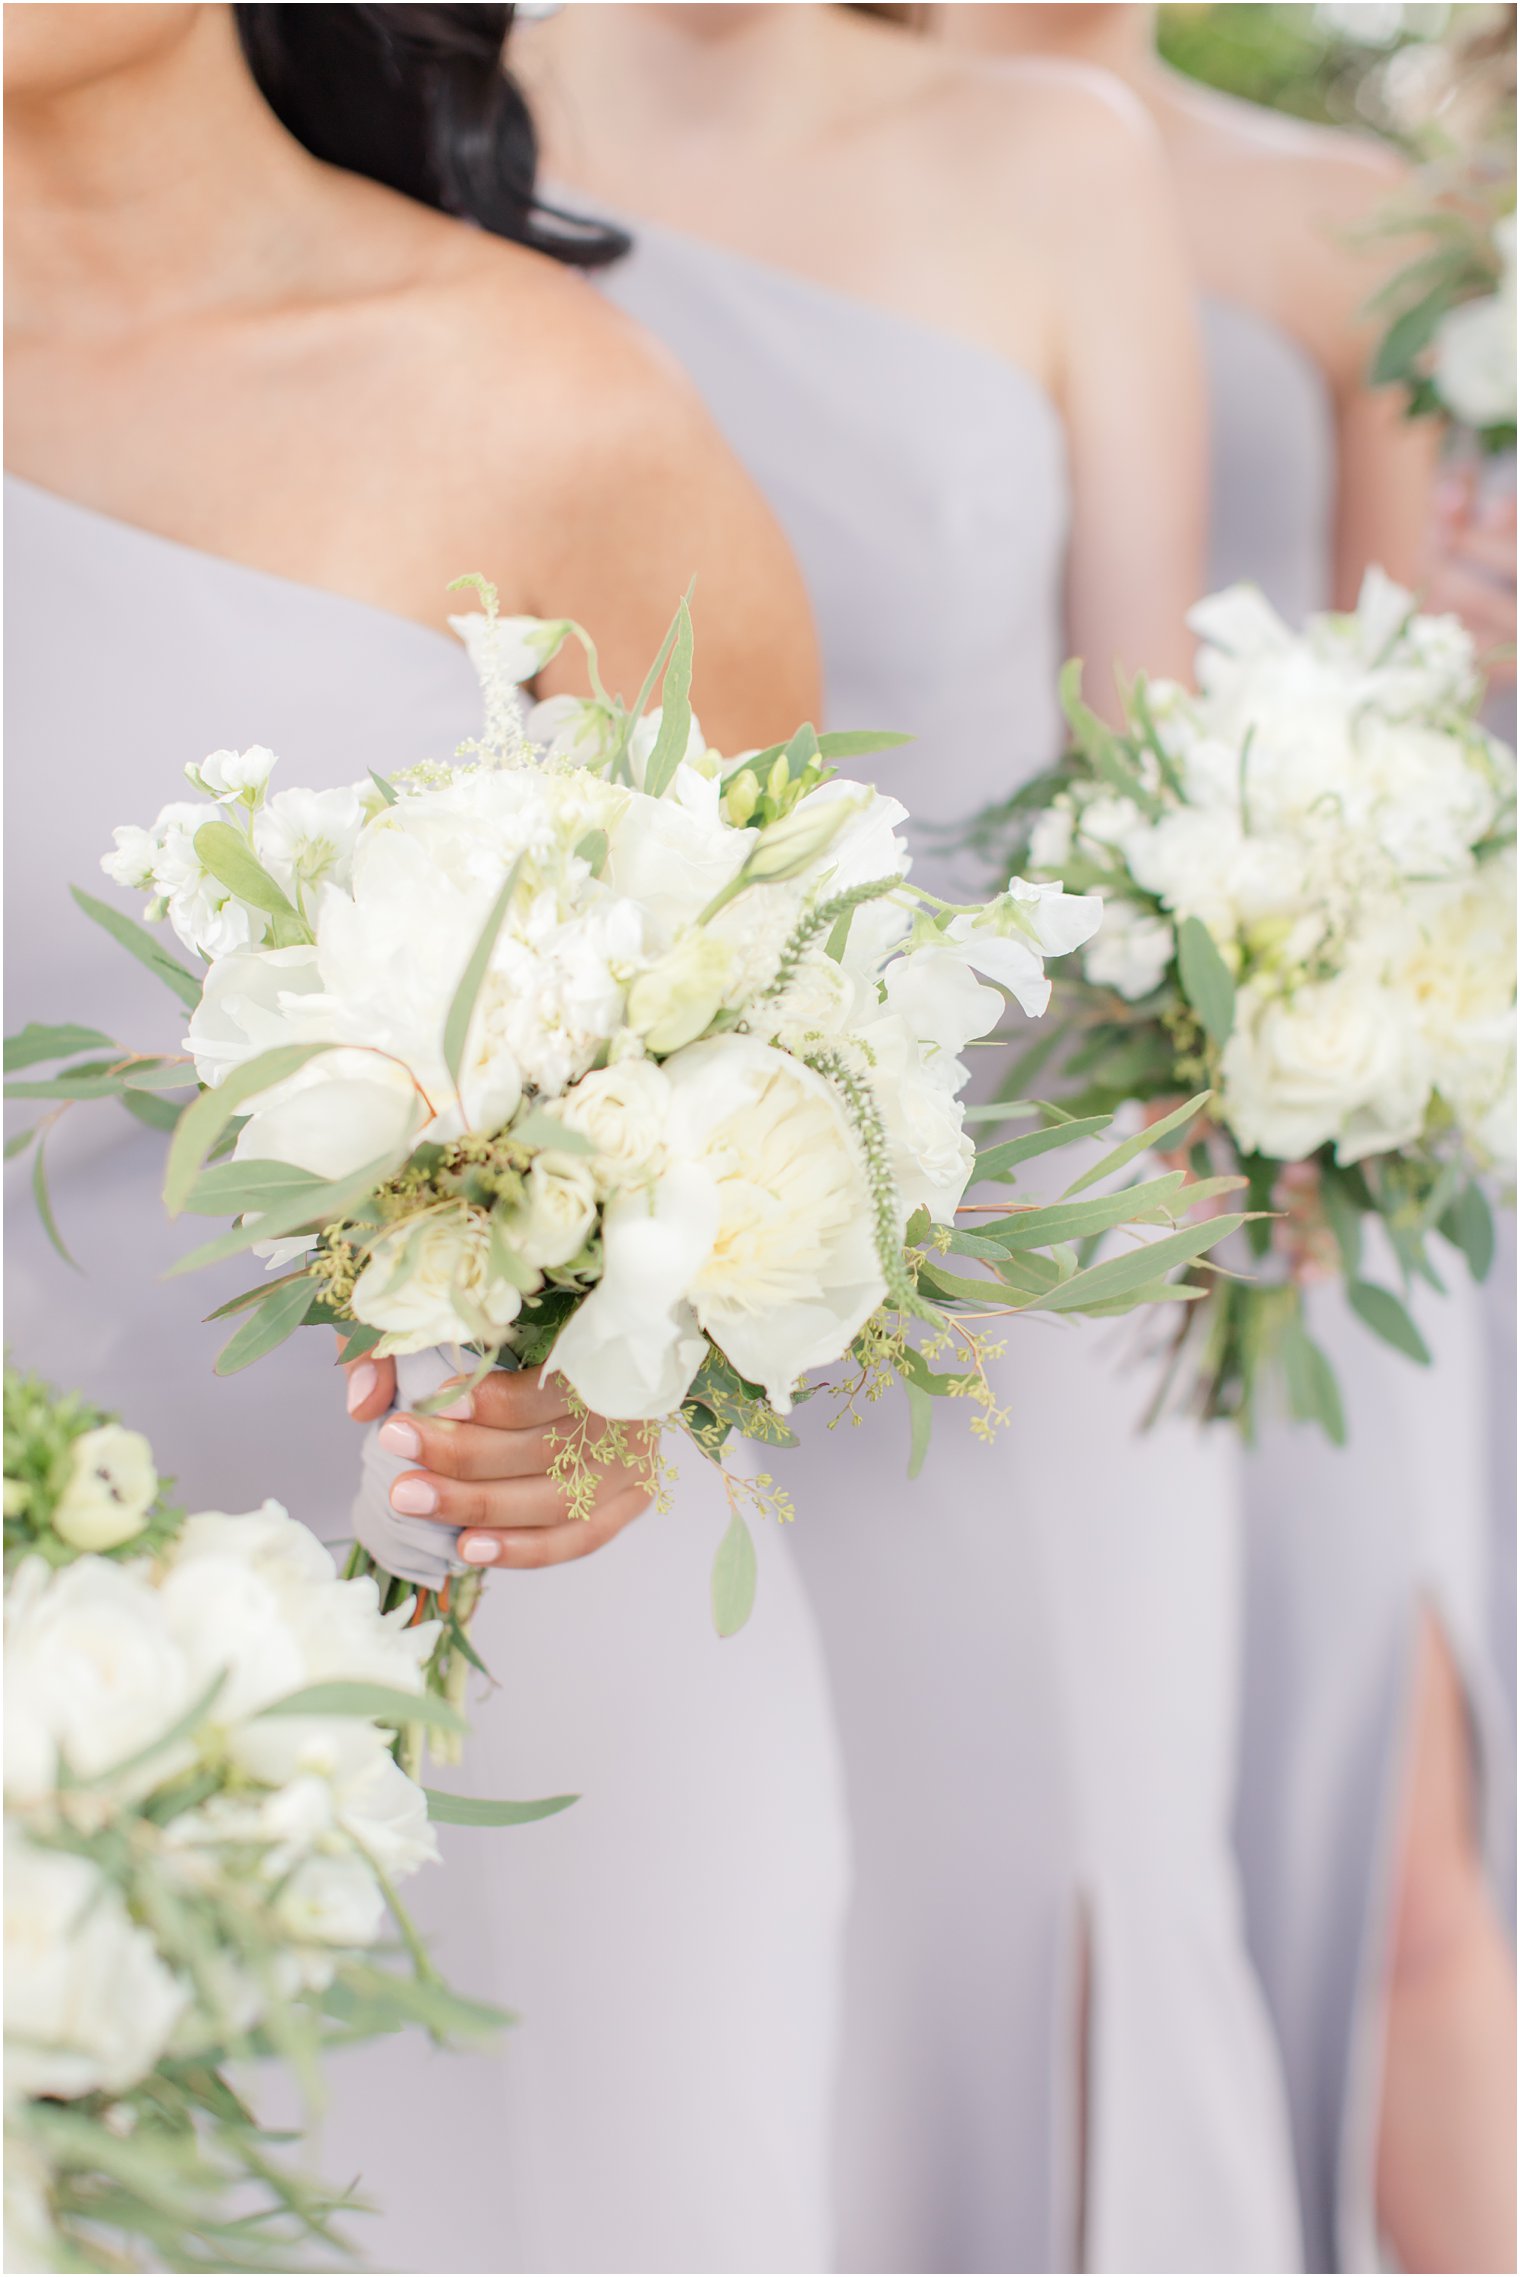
(1056, 2053)
(1345, 1548)
(671, 1943)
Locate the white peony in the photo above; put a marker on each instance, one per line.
(89, 2005)
(109, 1491)
(245, 1007)
(759, 1232)
(94, 1673)
(432, 1282)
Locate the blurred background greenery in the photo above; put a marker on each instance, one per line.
(1429, 78)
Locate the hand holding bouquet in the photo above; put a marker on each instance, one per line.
(1309, 879)
(593, 1050)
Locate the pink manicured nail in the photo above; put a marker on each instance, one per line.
(460, 1412)
(414, 1497)
(478, 1549)
(399, 1437)
(362, 1380)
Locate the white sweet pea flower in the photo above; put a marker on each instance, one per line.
(576, 728)
(1130, 951)
(432, 1282)
(306, 839)
(109, 1490)
(94, 1673)
(89, 2006)
(1009, 940)
(673, 857)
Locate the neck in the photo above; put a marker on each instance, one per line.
(703, 74)
(158, 188)
(1116, 39)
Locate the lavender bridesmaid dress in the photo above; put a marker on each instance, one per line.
(671, 1943)
(1035, 1648)
(1344, 1547)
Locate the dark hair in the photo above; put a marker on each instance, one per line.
(420, 99)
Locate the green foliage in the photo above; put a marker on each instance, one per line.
(733, 1578)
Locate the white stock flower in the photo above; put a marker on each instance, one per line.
(207, 918)
(227, 774)
(109, 1491)
(1130, 951)
(93, 1675)
(89, 2005)
(306, 839)
(432, 1282)
(1336, 1060)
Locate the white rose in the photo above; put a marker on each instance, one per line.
(623, 1111)
(416, 1276)
(676, 999)
(109, 1491)
(230, 773)
(93, 1675)
(559, 1216)
(1131, 950)
(89, 2005)
(1336, 1060)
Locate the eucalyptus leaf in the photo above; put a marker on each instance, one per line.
(1313, 1393)
(1121, 1276)
(1140, 1142)
(456, 1028)
(921, 1419)
(1468, 1224)
(997, 1161)
(204, 1121)
(378, 1702)
(35, 1044)
(675, 710)
(1206, 981)
(226, 853)
(229, 1188)
(141, 944)
(387, 790)
(1386, 1315)
(733, 1578)
(1148, 1204)
(44, 1202)
(473, 1810)
(280, 1315)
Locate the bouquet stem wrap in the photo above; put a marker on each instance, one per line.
(414, 1549)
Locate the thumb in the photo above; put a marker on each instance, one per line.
(371, 1388)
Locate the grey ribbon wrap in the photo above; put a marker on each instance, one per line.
(415, 1549)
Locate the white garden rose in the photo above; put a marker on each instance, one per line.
(433, 1282)
(88, 2003)
(94, 1674)
(623, 1111)
(1130, 951)
(109, 1491)
(559, 1215)
(1332, 1061)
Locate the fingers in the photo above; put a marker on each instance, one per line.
(468, 1451)
(1488, 547)
(534, 1548)
(1487, 610)
(535, 1501)
(371, 1387)
(516, 1402)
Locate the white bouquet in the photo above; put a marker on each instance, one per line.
(594, 1049)
(205, 1825)
(1309, 876)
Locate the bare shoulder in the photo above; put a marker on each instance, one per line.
(1282, 208)
(1039, 128)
